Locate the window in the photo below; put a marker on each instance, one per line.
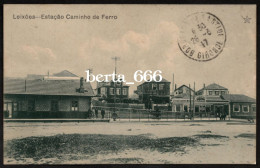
(161, 86)
(112, 92)
(245, 108)
(197, 109)
(5, 107)
(21, 106)
(31, 105)
(236, 108)
(202, 109)
(54, 105)
(15, 108)
(174, 108)
(74, 106)
(161, 93)
(223, 92)
(118, 91)
(124, 91)
(103, 91)
(207, 108)
(216, 92)
(210, 92)
(185, 108)
(253, 108)
(154, 86)
(178, 108)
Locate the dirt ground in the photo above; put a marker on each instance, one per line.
(212, 142)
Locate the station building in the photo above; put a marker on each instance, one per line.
(58, 96)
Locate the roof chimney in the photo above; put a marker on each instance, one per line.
(204, 85)
(81, 87)
(175, 86)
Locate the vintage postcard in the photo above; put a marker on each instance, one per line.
(129, 84)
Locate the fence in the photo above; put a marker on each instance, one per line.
(147, 115)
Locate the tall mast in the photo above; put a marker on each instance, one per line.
(116, 59)
(190, 98)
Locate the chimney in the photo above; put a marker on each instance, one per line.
(81, 87)
(175, 87)
(204, 85)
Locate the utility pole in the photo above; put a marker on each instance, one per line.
(116, 59)
(190, 98)
(193, 111)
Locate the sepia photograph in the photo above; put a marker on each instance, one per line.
(129, 84)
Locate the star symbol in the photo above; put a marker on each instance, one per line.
(246, 19)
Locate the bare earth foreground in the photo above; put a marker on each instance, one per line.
(130, 142)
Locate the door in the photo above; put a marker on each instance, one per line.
(8, 110)
(219, 110)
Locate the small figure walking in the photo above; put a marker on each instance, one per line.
(157, 113)
(96, 112)
(103, 113)
(89, 114)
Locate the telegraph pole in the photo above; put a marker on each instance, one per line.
(190, 99)
(116, 59)
(193, 111)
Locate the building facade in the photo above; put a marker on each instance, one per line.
(241, 106)
(213, 100)
(154, 92)
(42, 98)
(110, 91)
(205, 102)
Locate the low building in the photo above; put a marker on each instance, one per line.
(213, 100)
(153, 92)
(110, 91)
(205, 102)
(39, 98)
(241, 106)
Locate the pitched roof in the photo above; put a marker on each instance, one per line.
(46, 87)
(157, 78)
(65, 73)
(213, 86)
(238, 98)
(184, 86)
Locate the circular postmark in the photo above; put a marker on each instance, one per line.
(202, 36)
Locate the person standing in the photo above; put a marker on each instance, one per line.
(103, 113)
(96, 112)
(89, 113)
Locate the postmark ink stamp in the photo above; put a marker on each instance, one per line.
(202, 36)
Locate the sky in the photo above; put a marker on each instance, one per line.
(145, 37)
